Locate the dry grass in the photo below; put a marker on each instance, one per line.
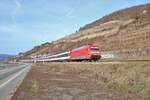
(127, 58)
(130, 79)
(124, 81)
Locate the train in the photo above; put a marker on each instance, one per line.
(84, 53)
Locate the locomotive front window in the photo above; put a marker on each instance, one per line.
(95, 49)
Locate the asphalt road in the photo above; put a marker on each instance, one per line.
(11, 78)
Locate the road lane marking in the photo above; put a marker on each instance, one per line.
(13, 77)
(11, 69)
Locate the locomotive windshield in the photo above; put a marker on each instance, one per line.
(95, 49)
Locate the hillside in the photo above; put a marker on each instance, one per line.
(126, 32)
(5, 57)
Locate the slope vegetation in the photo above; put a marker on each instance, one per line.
(126, 32)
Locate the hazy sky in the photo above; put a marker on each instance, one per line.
(27, 23)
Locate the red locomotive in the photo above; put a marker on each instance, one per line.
(86, 52)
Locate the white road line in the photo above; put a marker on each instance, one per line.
(12, 78)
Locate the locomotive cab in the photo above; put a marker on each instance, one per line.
(95, 53)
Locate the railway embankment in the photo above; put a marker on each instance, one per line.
(86, 81)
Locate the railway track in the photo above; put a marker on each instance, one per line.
(103, 62)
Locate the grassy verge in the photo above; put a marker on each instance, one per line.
(129, 79)
(126, 81)
(128, 58)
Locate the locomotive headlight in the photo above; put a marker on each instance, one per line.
(95, 52)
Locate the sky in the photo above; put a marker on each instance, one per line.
(28, 23)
